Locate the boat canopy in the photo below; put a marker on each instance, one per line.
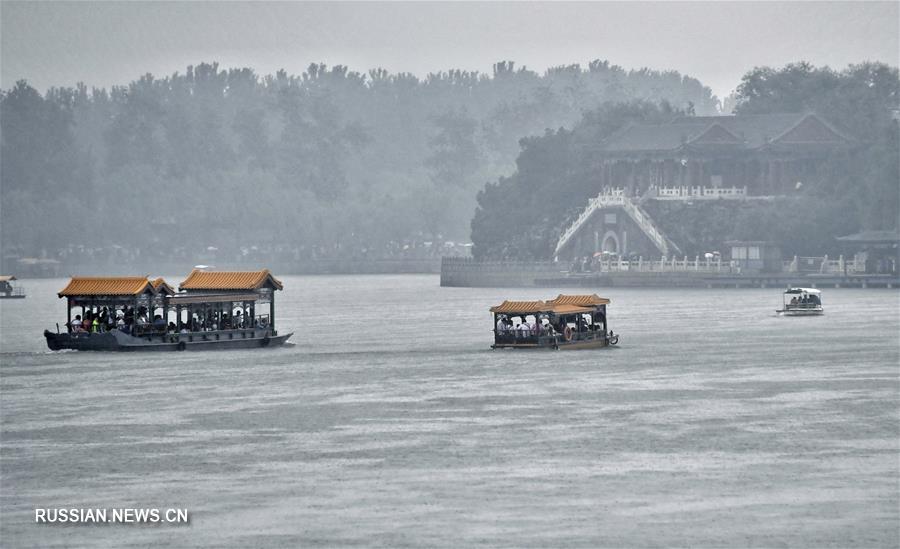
(562, 305)
(162, 287)
(88, 286)
(230, 280)
(518, 307)
(812, 291)
(567, 309)
(7, 278)
(192, 299)
(581, 300)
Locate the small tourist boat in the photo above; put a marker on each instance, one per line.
(211, 310)
(567, 322)
(8, 290)
(801, 302)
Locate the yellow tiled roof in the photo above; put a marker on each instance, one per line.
(563, 305)
(520, 307)
(568, 309)
(106, 285)
(160, 285)
(229, 280)
(580, 300)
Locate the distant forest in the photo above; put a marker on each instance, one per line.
(326, 163)
(522, 214)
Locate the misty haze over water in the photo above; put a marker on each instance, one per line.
(336, 139)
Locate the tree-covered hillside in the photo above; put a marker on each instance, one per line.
(522, 215)
(326, 163)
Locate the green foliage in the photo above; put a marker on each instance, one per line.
(803, 226)
(330, 159)
(863, 101)
(521, 216)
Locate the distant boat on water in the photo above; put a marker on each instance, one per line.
(567, 322)
(801, 302)
(8, 290)
(211, 310)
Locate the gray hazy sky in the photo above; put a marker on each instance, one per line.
(105, 43)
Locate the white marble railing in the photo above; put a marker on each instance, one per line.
(823, 265)
(615, 197)
(694, 193)
(646, 224)
(663, 265)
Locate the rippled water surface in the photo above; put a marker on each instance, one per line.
(390, 422)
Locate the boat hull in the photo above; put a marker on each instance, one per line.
(560, 343)
(195, 341)
(800, 312)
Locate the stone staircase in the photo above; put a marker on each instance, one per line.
(617, 199)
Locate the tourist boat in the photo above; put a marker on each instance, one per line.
(8, 290)
(567, 322)
(211, 310)
(801, 302)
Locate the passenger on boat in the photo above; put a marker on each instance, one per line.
(501, 324)
(547, 328)
(522, 329)
(76, 324)
(580, 324)
(120, 322)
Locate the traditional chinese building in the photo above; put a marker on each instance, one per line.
(693, 159)
(768, 154)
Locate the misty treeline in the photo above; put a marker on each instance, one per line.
(521, 216)
(324, 163)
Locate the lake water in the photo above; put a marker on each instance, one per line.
(390, 422)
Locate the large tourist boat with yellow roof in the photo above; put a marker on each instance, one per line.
(567, 322)
(210, 310)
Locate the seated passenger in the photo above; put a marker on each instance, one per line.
(523, 330)
(76, 324)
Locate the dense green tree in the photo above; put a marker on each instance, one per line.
(331, 161)
(521, 215)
